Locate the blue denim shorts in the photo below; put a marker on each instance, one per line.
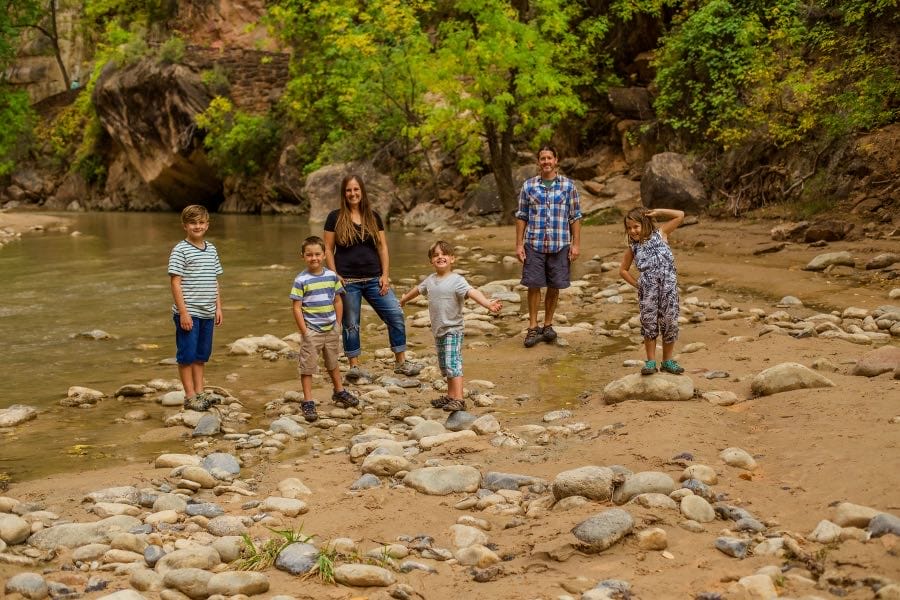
(194, 345)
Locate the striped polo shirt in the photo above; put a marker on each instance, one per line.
(198, 269)
(316, 295)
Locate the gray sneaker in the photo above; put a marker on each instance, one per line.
(410, 369)
(199, 402)
(356, 373)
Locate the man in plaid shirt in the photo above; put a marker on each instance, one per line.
(548, 235)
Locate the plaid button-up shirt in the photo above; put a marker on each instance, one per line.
(548, 212)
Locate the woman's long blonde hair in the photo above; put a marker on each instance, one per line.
(345, 231)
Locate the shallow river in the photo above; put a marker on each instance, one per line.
(112, 277)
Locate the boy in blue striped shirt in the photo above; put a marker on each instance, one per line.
(194, 269)
(318, 309)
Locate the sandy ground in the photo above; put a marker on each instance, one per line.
(814, 447)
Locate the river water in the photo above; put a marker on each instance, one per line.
(112, 277)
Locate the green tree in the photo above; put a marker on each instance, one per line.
(358, 73)
(502, 76)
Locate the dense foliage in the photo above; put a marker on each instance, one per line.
(395, 80)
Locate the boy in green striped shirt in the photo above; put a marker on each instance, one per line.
(317, 308)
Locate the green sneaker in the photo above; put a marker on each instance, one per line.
(649, 368)
(670, 366)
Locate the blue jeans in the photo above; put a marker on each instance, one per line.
(386, 307)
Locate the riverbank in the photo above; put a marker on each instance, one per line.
(813, 448)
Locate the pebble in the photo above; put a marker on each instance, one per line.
(602, 530)
(366, 482)
(440, 481)
(734, 547)
(595, 483)
(697, 509)
(297, 558)
(231, 583)
(652, 539)
(848, 514)
(29, 585)
(883, 524)
(363, 575)
(646, 482)
(476, 555)
(702, 473)
(736, 457)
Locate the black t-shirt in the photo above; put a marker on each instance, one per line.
(360, 259)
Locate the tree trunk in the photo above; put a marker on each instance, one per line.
(500, 149)
(54, 38)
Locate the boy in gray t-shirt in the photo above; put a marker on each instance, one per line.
(447, 292)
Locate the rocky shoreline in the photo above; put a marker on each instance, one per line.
(743, 478)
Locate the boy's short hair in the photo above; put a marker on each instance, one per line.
(445, 247)
(194, 213)
(312, 241)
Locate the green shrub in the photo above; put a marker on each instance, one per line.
(172, 51)
(216, 79)
(18, 123)
(237, 143)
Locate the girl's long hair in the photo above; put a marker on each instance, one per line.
(345, 232)
(639, 215)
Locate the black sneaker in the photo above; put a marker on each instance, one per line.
(533, 336)
(454, 405)
(548, 334)
(308, 408)
(344, 399)
(440, 402)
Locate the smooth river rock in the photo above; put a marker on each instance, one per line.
(591, 482)
(646, 482)
(440, 481)
(604, 529)
(786, 377)
(363, 575)
(16, 415)
(878, 361)
(231, 583)
(661, 387)
(73, 535)
(29, 585)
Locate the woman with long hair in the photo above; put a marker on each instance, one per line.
(356, 249)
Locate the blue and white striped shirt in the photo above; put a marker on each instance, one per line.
(316, 295)
(198, 269)
(548, 212)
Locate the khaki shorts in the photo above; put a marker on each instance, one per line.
(314, 342)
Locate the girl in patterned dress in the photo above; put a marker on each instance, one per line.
(657, 284)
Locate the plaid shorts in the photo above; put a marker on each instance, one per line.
(449, 351)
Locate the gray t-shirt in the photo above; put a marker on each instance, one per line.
(446, 297)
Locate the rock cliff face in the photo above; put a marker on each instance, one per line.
(148, 110)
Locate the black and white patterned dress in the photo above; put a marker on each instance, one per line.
(657, 288)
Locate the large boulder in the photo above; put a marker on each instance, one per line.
(827, 231)
(148, 109)
(786, 377)
(483, 198)
(323, 189)
(878, 361)
(631, 102)
(668, 182)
